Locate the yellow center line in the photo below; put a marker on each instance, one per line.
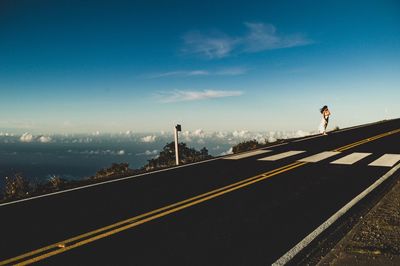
(352, 145)
(73, 239)
(103, 232)
(159, 215)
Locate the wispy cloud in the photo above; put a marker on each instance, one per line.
(259, 37)
(191, 95)
(264, 37)
(216, 45)
(232, 71)
(181, 73)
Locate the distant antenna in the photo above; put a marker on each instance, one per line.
(177, 129)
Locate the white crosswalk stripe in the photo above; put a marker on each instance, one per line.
(387, 160)
(351, 158)
(319, 156)
(247, 154)
(281, 156)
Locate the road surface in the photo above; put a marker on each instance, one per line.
(246, 209)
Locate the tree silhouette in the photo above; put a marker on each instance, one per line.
(246, 146)
(116, 170)
(166, 158)
(16, 187)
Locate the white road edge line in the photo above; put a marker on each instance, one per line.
(310, 137)
(317, 135)
(107, 182)
(359, 126)
(251, 151)
(121, 179)
(247, 155)
(308, 239)
(130, 177)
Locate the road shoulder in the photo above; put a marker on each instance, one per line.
(375, 239)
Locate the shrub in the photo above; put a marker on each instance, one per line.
(246, 146)
(57, 182)
(116, 170)
(166, 157)
(16, 187)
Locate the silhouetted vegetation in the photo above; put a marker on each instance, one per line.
(246, 146)
(57, 182)
(116, 170)
(18, 187)
(166, 157)
(54, 183)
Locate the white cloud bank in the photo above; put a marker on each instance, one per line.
(148, 153)
(259, 37)
(44, 139)
(230, 151)
(28, 137)
(99, 152)
(191, 95)
(149, 139)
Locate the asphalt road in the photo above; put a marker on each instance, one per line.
(223, 212)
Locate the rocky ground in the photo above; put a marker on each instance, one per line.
(375, 240)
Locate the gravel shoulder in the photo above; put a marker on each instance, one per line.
(375, 239)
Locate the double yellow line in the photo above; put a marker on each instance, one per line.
(63, 246)
(83, 239)
(352, 145)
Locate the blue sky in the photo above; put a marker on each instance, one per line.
(83, 66)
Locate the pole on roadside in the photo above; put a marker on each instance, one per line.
(177, 129)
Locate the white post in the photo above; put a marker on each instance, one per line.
(176, 146)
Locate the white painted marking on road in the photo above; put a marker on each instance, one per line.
(335, 131)
(319, 156)
(280, 156)
(107, 182)
(247, 154)
(307, 138)
(355, 127)
(119, 179)
(308, 239)
(352, 158)
(277, 145)
(387, 160)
